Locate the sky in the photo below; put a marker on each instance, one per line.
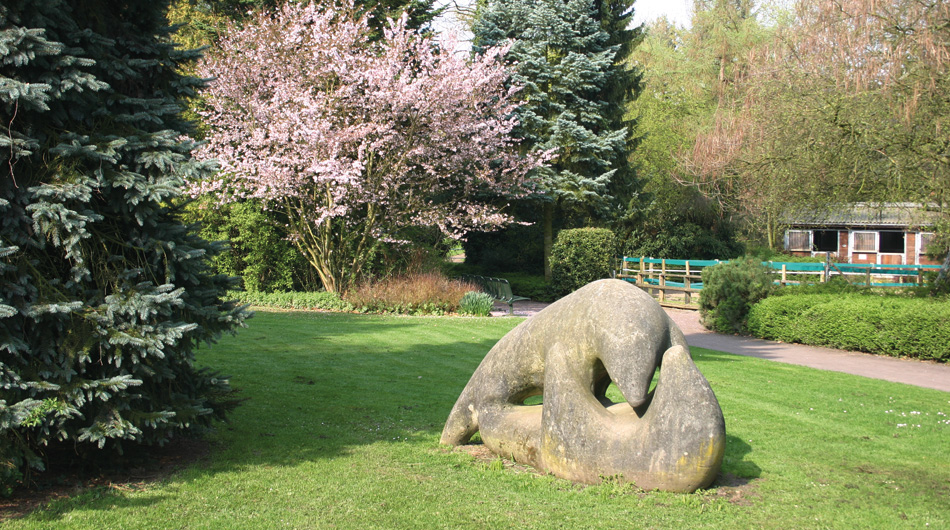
(677, 11)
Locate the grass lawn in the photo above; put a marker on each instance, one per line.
(344, 414)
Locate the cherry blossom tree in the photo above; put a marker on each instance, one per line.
(357, 141)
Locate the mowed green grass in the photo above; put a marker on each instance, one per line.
(344, 412)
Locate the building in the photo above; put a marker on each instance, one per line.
(890, 233)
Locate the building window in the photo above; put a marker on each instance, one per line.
(892, 242)
(864, 242)
(825, 240)
(799, 240)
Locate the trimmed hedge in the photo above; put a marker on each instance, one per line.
(887, 325)
(293, 300)
(580, 256)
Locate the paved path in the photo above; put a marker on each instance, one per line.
(911, 372)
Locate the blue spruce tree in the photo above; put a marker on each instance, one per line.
(104, 294)
(569, 55)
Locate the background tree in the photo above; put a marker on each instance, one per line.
(569, 55)
(104, 295)
(847, 102)
(354, 141)
(685, 82)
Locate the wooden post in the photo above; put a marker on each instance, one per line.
(687, 296)
(784, 278)
(868, 281)
(663, 283)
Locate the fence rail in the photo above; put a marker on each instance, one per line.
(675, 282)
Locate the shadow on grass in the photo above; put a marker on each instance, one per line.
(321, 385)
(735, 460)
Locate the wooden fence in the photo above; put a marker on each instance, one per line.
(676, 282)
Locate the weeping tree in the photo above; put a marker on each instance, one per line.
(104, 294)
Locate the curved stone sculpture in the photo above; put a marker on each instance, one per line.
(670, 439)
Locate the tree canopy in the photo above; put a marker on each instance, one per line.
(358, 141)
(569, 57)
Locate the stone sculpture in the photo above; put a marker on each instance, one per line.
(670, 439)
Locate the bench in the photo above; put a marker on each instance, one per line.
(498, 288)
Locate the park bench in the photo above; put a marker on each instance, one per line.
(498, 288)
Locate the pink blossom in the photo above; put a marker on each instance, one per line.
(356, 141)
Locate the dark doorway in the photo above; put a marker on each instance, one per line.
(892, 242)
(825, 240)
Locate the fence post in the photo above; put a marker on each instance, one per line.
(663, 282)
(824, 277)
(783, 275)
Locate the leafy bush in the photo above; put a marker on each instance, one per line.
(888, 325)
(729, 290)
(684, 240)
(476, 304)
(294, 300)
(428, 293)
(259, 250)
(580, 256)
(532, 286)
(835, 285)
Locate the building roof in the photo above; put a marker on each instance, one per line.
(868, 215)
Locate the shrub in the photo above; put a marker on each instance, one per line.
(835, 285)
(476, 304)
(295, 300)
(580, 256)
(428, 293)
(259, 250)
(729, 290)
(684, 240)
(888, 325)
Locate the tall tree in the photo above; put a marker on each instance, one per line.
(569, 57)
(848, 102)
(694, 95)
(104, 295)
(356, 141)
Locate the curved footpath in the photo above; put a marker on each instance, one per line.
(908, 371)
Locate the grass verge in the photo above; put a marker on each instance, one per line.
(344, 412)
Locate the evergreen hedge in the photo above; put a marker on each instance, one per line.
(729, 290)
(104, 293)
(580, 256)
(887, 325)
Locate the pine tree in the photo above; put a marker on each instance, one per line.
(569, 58)
(104, 294)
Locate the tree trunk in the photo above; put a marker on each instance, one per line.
(548, 238)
